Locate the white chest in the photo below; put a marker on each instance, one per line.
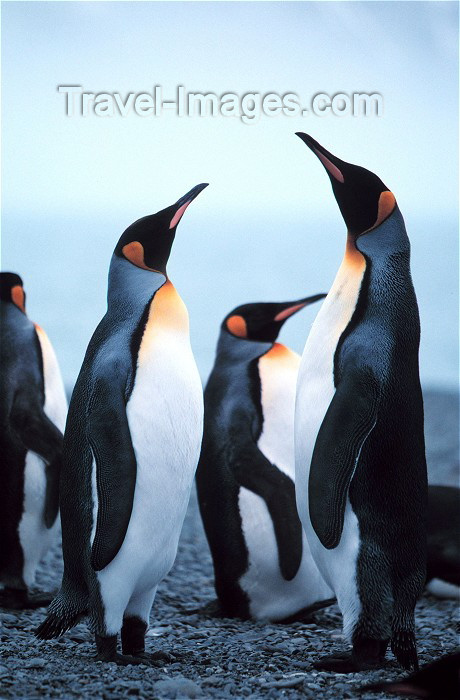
(278, 374)
(315, 384)
(315, 391)
(165, 410)
(34, 536)
(165, 417)
(55, 405)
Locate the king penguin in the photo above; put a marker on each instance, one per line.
(245, 478)
(131, 447)
(33, 410)
(361, 481)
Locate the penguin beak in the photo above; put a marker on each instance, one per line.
(295, 306)
(330, 162)
(182, 203)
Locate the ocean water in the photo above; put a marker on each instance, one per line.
(220, 260)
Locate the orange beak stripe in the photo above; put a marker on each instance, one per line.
(288, 312)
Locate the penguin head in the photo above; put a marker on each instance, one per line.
(147, 242)
(363, 199)
(262, 322)
(12, 289)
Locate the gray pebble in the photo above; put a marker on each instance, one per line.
(178, 687)
(35, 662)
(214, 658)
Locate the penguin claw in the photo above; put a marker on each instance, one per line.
(122, 660)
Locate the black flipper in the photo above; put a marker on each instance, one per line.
(116, 468)
(253, 471)
(39, 434)
(348, 422)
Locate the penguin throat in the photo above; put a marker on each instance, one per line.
(240, 349)
(130, 287)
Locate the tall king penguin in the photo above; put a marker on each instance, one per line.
(360, 455)
(131, 447)
(245, 478)
(33, 410)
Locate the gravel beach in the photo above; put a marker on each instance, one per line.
(220, 658)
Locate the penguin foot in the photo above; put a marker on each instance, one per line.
(404, 647)
(367, 654)
(156, 658)
(122, 660)
(346, 663)
(16, 599)
(107, 651)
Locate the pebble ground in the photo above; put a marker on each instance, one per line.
(219, 658)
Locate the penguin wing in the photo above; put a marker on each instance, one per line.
(39, 434)
(116, 468)
(349, 420)
(255, 472)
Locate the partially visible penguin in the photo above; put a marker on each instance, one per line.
(439, 680)
(131, 447)
(245, 478)
(443, 560)
(33, 410)
(361, 477)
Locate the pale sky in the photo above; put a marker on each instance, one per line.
(74, 184)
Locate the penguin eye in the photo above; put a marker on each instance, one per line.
(134, 252)
(237, 326)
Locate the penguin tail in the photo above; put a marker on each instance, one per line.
(64, 612)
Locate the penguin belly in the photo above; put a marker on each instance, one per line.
(270, 595)
(34, 536)
(165, 416)
(315, 391)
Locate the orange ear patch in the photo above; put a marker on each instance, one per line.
(134, 252)
(387, 203)
(18, 297)
(237, 326)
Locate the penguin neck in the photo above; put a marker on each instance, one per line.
(388, 285)
(388, 241)
(10, 311)
(387, 253)
(231, 348)
(130, 289)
